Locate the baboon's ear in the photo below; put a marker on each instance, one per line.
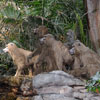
(79, 44)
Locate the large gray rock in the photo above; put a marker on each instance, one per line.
(52, 97)
(82, 95)
(92, 98)
(66, 90)
(56, 85)
(55, 78)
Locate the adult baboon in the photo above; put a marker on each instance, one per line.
(86, 62)
(61, 53)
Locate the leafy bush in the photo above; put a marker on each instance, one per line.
(58, 15)
(93, 84)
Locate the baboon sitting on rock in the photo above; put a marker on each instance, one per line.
(86, 62)
(61, 53)
(51, 51)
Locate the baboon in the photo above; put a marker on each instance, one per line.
(19, 57)
(46, 60)
(70, 38)
(39, 33)
(87, 62)
(61, 53)
(45, 53)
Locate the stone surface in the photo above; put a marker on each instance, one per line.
(56, 90)
(56, 85)
(52, 97)
(55, 78)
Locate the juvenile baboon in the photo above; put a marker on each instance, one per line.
(61, 53)
(19, 57)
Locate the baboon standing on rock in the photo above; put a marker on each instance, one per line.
(19, 57)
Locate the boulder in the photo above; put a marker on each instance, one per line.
(55, 78)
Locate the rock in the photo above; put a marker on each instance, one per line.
(81, 89)
(82, 95)
(52, 97)
(92, 98)
(56, 85)
(66, 90)
(55, 78)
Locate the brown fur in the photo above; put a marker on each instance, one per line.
(41, 31)
(46, 61)
(61, 54)
(19, 57)
(87, 62)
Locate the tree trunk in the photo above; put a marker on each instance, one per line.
(93, 10)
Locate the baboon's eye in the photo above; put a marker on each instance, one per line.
(79, 44)
(11, 44)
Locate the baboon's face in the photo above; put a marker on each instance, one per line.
(78, 47)
(47, 39)
(41, 31)
(9, 46)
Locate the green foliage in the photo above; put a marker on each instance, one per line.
(60, 14)
(93, 84)
(5, 63)
(10, 14)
